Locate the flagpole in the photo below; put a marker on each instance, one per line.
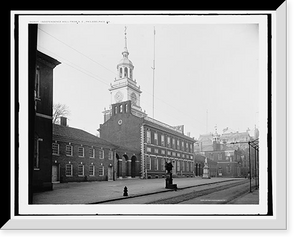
(153, 68)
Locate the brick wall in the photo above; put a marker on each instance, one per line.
(123, 129)
(75, 160)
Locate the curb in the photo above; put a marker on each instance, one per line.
(156, 192)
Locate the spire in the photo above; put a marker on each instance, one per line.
(125, 38)
(125, 52)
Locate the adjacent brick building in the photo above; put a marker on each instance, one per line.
(43, 102)
(80, 156)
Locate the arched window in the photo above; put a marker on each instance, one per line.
(120, 72)
(125, 72)
(130, 73)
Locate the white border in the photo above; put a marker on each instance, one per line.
(140, 210)
(148, 209)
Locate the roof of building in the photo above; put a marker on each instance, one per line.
(50, 61)
(165, 127)
(125, 61)
(71, 134)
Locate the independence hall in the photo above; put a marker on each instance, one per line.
(152, 143)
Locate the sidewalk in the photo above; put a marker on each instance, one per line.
(249, 198)
(93, 192)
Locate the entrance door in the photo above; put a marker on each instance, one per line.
(55, 173)
(133, 159)
(110, 173)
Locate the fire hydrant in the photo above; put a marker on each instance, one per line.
(125, 193)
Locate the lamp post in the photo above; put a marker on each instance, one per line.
(254, 144)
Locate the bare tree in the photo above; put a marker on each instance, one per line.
(59, 110)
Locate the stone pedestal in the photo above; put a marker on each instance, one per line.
(169, 182)
(206, 174)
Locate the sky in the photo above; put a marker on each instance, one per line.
(206, 75)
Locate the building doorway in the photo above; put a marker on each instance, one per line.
(55, 174)
(119, 164)
(133, 165)
(110, 173)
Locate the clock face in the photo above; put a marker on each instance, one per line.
(119, 96)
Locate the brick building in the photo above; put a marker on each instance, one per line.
(43, 102)
(80, 156)
(152, 143)
(231, 159)
(199, 164)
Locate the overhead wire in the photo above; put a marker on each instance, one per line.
(80, 69)
(72, 65)
(81, 53)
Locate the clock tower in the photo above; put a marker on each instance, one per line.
(125, 87)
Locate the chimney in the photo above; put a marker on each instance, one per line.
(63, 121)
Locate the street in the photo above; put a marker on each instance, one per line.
(223, 192)
(152, 191)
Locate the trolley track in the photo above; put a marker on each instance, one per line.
(204, 192)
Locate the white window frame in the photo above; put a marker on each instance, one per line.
(101, 154)
(148, 136)
(101, 167)
(37, 158)
(149, 163)
(93, 153)
(82, 151)
(162, 164)
(93, 166)
(81, 175)
(69, 145)
(162, 140)
(37, 84)
(56, 144)
(155, 138)
(71, 170)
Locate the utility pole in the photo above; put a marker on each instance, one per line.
(254, 144)
(249, 165)
(153, 68)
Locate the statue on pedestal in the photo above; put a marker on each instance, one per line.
(206, 174)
